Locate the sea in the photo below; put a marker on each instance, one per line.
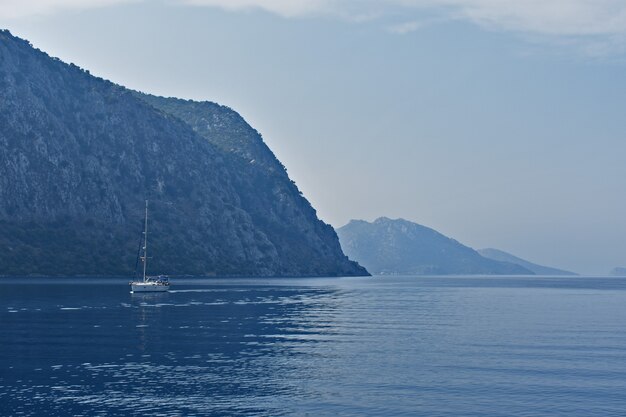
(376, 346)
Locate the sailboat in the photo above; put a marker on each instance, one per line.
(148, 284)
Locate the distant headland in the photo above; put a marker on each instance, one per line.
(398, 246)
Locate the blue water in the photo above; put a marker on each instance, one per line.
(394, 346)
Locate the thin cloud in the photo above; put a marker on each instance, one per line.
(406, 27)
(568, 18)
(549, 17)
(285, 8)
(13, 9)
(414, 25)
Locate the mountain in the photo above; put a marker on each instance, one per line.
(401, 247)
(498, 255)
(79, 155)
(618, 272)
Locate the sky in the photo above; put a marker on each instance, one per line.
(499, 123)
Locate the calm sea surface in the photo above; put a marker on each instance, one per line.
(397, 346)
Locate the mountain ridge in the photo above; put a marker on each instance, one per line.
(398, 246)
(500, 255)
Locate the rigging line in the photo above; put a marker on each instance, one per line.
(138, 254)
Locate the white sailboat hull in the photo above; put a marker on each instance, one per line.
(148, 287)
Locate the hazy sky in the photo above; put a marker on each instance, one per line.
(501, 123)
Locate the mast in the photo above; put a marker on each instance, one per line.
(145, 244)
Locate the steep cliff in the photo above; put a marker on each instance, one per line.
(78, 156)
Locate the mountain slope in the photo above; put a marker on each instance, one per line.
(401, 247)
(282, 214)
(78, 156)
(498, 255)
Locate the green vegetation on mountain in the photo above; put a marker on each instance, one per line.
(79, 155)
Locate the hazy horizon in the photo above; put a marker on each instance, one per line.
(499, 125)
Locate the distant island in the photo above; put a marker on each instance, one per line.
(79, 155)
(398, 246)
(618, 272)
(388, 246)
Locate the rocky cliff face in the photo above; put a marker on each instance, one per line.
(79, 155)
(389, 246)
